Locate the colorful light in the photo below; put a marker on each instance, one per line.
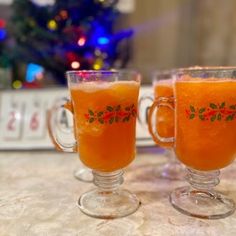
(3, 34)
(2, 23)
(103, 40)
(75, 65)
(52, 25)
(32, 71)
(98, 64)
(96, 67)
(64, 14)
(81, 41)
(17, 84)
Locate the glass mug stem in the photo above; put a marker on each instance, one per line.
(203, 180)
(108, 181)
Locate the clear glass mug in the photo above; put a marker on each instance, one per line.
(104, 105)
(205, 137)
(163, 87)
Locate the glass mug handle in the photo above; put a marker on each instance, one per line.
(54, 129)
(143, 120)
(152, 116)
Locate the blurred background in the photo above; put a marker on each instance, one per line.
(40, 39)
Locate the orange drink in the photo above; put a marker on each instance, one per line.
(206, 123)
(104, 109)
(165, 116)
(105, 119)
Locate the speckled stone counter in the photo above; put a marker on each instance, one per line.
(38, 196)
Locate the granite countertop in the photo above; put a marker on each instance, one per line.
(38, 196)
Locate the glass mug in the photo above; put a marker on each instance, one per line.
(205, 137)
(104, 105)
(163, 87)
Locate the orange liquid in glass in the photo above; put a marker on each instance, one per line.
(105, 120)
(165, 116)
(206, 123)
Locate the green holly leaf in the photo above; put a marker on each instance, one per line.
(202, 110)
(118, 108)
(192, 109)
(192, 116)
(219, 117)
(233, 107)
(91, 112)
(229, 118)
(222, 105)
(125, 119)
(213, 106)
(91, 120)
(101, 121)
(111, 120)
(133, 113)
(100, 113)
(201, 117)
(213, 118)
(109, 108)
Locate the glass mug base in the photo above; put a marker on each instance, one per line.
(108, 204)
(84, 175)
(201, 203)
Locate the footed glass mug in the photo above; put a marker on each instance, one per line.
(205, 137)
(104, 105)
(163, 87)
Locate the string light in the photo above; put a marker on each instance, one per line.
(96, 67)
(98, 64)
(75, 65)
(3, 34)
(2, 23)
(17, 84)
(81, 41)
(103, 40)
(52, 25)
(64, 14)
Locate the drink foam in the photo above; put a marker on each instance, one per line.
(93, 86)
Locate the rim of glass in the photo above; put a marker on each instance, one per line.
(121, 71)
(205, 68)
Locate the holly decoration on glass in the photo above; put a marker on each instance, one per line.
(112, 114)
(213, 112)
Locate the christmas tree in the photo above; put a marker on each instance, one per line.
(64, 35)
(4, 57)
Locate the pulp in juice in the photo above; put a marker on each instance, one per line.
(206, 123)
(105, 120)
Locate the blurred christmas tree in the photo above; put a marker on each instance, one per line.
(4, 57)
(61, 35)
